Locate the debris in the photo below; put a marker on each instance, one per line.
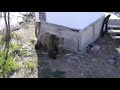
(112, 61)
(82, 74)
(96, 48)
(73, 59)
(68, 54)
(44, 53)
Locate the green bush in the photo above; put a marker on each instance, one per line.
(33, 40)
(10, 65)
(16, 49)
(2, 39)
(19, 37)
(29, 65)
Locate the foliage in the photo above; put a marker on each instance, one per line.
(2, 39)
(19, 37)
(14, 49)
(17, 50)
(10, 51)
(29, 65)
(10, 65)
(33, 40)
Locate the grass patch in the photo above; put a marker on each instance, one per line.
(33, 40)
(15, 49)
(10, 66)
(29, 65)
(18, 37)
(2, 39)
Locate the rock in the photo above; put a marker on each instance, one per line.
(112, 61)
(94, 59)
(96, 48)
(73, 59)
(118, 57)
(49, 62)
(41, 67)
(82, 74)
(82, 56)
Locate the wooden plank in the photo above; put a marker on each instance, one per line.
(116, 37)
(113, 31)
(113, 26)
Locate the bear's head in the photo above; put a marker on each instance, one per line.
(60, 42)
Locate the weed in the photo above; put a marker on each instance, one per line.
(33, 40)
(17, 49)
(19, 37)
(29, 65)
(2, 39)
(10, 65)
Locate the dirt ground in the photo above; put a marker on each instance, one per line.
(103, 62)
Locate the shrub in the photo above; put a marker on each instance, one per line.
(33, 40)
(29, 65)
(10, 65)
(2, 39)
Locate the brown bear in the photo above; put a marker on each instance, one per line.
(50, 42)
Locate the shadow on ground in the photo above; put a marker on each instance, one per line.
(104, 63)
(43, 67)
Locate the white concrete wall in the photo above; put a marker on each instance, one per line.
(90, 33)
(97, 28)
(70, 36)
(86, 37)
(75, 40)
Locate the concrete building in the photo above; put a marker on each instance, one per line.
(79, 29)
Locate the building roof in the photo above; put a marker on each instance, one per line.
(78, 20)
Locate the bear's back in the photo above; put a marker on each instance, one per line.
(43, 38)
